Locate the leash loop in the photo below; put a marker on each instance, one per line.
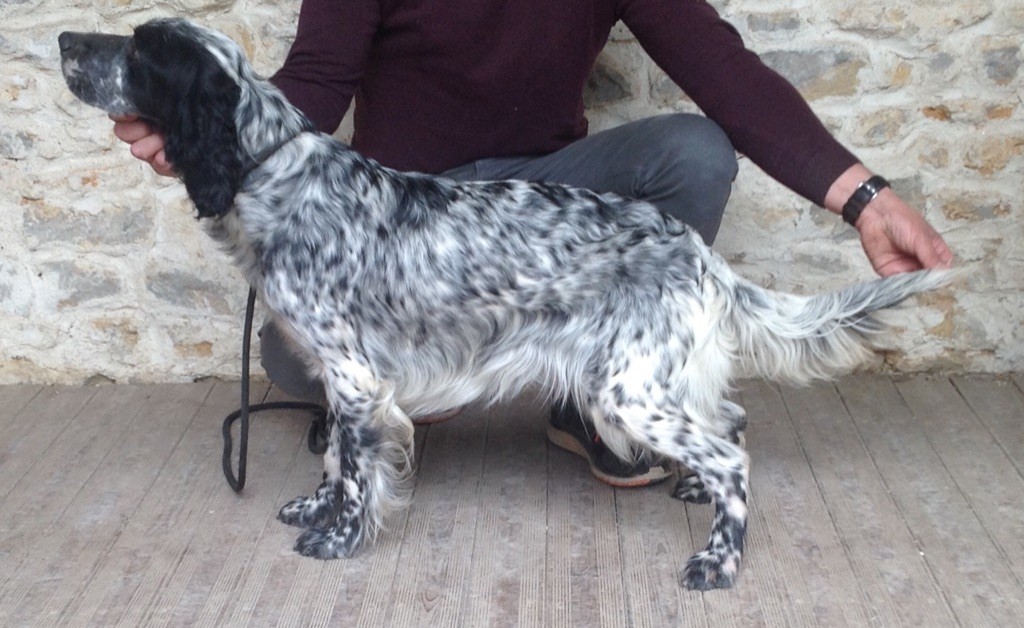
(316, 437)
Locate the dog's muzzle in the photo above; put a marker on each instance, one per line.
(94, 68)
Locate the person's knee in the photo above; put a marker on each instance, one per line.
(285, 368)
(693, 165)
(697, 149)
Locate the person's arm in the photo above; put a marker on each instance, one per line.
(319, 75)
(768, 120)
(328, 57)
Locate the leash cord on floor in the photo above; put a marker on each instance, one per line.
(316, 437)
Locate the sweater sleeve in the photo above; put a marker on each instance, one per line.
(328, 58)
(764, 116)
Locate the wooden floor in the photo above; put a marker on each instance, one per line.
(874, 502)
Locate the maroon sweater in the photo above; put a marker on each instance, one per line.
(440, 84)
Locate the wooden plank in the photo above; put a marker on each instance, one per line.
(984, 474)
(438, 545)
(59, 473)
(22, 443)
(563, 474)
(197, 546)
(36, 427)
(242, 519)
(532, 585)
(783, 489)
(13, 400)
(164, 510)
(805, 528)
(62, 603)
(655, 540)
(881, 582)
(510, 531)
(64, 557)
(999, 405)
(507, 573)
(968, 569)
(608, 559)
(584, 561)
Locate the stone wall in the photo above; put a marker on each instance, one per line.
(104, 273)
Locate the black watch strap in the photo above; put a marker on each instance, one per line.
(864, 194)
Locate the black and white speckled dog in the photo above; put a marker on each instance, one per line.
(415, 294)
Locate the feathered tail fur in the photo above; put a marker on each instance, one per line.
(798, 339)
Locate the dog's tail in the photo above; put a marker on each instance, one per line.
(798, 339)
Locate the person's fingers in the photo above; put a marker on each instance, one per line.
(942, 250)
(131, 131)
(899, 265)
(147, 147)
(161, 166)
(146, 142)
(924, 249)
(929, 247)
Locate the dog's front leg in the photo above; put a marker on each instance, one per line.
(336, 513)
(367, 458)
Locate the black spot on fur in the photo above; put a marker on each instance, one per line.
(417, 198)
(619, 393)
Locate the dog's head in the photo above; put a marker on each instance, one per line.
(218, 118)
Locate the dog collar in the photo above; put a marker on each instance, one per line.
(254, 161)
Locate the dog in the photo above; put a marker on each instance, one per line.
(411, 294)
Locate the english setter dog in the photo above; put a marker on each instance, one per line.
(412, 294)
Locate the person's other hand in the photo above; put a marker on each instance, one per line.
(897, 239)
(146, 143)
(895, 236)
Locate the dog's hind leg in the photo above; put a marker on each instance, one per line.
(721, 466)
(690, 488)
(367, 461)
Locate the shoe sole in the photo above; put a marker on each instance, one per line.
(568, 443)
(440, 417)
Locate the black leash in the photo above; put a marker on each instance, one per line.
(316, 437)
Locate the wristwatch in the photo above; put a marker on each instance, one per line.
(864, 194)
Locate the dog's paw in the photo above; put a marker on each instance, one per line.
(308, 512)
(297, 513)
(340, 541)
(710, 570)
(691, 489)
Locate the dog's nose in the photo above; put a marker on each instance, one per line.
(65, 41)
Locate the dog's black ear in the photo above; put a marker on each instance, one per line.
(202, 141)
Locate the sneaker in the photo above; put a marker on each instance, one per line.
(568, 430)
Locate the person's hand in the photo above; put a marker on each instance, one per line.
(897, 239)
(895, 236)
(146, 143)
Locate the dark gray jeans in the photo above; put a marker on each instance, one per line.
(681, 163)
